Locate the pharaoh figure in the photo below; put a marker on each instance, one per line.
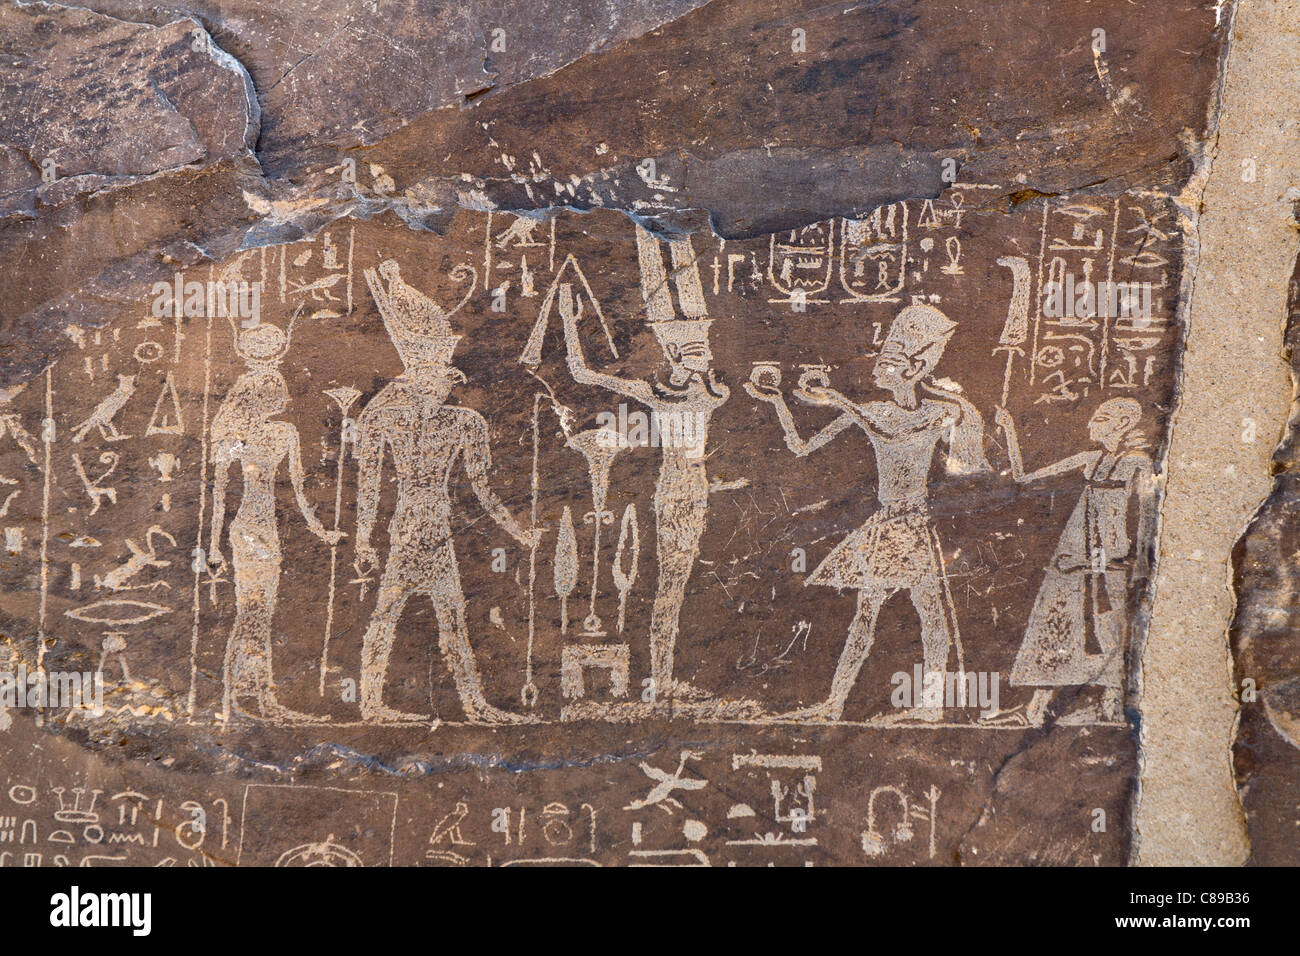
(427, 439)
(898, 548)
(684, 401)
(244, 430)
(1077, 628)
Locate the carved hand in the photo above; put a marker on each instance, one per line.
(764, 393)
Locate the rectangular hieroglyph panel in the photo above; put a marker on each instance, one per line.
(680, 526)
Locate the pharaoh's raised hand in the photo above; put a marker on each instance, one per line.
(765, 393)
(816, 395)
(814, 388)
(765, 384)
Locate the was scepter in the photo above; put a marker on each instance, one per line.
(344, 397)
(528, 693)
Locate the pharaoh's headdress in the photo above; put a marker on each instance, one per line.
(920, 332)
(669, 326)
(418, 326)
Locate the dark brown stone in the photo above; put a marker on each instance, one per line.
(348, 163)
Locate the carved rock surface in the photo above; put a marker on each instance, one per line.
(571, 433)
(1264, 637)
